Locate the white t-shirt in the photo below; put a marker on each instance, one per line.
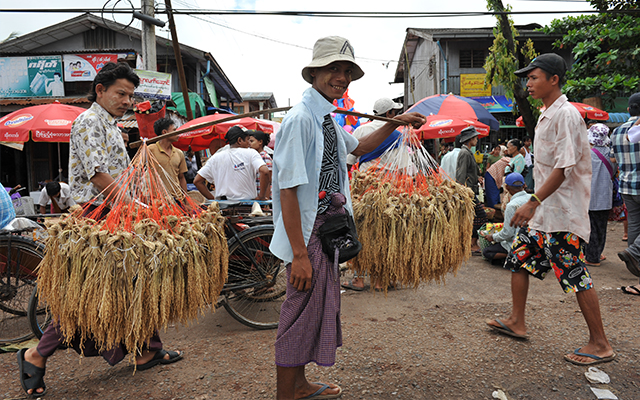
(65, 201)
(233, 172)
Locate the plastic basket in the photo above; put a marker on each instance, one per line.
(24, 206)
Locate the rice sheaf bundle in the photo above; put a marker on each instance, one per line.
(149, 264)
(414, 224)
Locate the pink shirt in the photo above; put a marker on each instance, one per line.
(561, 142)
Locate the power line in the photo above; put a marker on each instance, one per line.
(329, 14)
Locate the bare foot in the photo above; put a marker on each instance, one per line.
(32, 356)
(314, 387)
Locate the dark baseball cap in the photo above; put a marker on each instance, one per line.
(236, 132)
(550, 62)
(634, 99)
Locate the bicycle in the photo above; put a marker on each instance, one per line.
(19, 257)
(256, 283)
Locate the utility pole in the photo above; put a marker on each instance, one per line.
(149, 59)
(178, 55)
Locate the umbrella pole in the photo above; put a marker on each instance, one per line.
(59, 164)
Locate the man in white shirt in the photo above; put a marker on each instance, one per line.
(233, 172)
(449, 161)
(60, 196)
(388, 151)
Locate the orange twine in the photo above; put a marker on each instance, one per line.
(139, 194)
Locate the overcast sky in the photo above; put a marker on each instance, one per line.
(256, 64)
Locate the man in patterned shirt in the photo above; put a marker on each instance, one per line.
(97, 156)
(310, 184)
(628, 158)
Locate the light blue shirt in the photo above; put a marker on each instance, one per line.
(7, 212)
(508, 232)
(296, 163)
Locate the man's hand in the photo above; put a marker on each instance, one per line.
(489, 237)
(301, 273)
(413, 118)
(524, 213)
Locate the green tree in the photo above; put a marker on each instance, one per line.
(502, 62)
(606, 52)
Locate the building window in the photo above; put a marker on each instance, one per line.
(238, 109)
(471, 58)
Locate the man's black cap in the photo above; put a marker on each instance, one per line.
(634, 99)
(550, 62)
(236, 132)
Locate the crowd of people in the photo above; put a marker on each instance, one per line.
(554, 209)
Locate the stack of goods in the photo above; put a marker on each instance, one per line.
(149, 263)
(414, 224)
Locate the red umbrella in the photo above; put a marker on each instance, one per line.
(586, 111)
(46, 123)
(199, 139)
(442, 126)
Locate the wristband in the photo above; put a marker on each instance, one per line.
(537, 198)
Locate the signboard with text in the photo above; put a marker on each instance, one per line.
(472, 85)
(85, 67)
(154, 85)
(36, 76)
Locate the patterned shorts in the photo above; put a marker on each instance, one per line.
(538, 252)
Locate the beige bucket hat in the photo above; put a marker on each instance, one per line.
(330, 49)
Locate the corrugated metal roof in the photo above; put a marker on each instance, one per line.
(260, 96)
(44, 100)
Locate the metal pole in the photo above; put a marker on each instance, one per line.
(149, 59)
(176, 52)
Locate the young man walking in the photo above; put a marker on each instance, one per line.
(310, 184)
(557, 214)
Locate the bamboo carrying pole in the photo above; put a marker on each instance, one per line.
(251, 114)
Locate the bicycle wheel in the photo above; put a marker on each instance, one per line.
(254, 293)
(38, 314)
(19, 258)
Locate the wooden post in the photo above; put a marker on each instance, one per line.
(176, 52)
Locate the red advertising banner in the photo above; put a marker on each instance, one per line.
(84, 67)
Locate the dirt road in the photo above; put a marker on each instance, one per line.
(429, 343)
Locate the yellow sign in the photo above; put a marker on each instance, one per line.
(472, 85)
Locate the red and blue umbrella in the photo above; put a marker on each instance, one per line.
(455, 106)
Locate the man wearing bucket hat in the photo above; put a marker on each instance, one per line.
(515, 186)
(467, 175)
(557, 214)
(310, 184)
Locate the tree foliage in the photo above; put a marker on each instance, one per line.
(502, 62)
(604, 5)
(606, 52)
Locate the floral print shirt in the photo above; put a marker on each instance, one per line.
(95, 145)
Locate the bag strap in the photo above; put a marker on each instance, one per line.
(606, 162)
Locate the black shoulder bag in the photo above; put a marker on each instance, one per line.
(339, 232)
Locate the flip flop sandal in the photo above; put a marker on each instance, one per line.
(350, 286)
(158, 358)
(596, 359)
(31, 377)
(324, 386)
(633, 292)
(505, 330)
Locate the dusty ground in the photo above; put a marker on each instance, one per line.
(429, 343)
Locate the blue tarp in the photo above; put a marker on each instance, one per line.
(618, 117)
(495, 103)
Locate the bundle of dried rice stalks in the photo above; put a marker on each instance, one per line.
(149, 263)
(414, 223)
